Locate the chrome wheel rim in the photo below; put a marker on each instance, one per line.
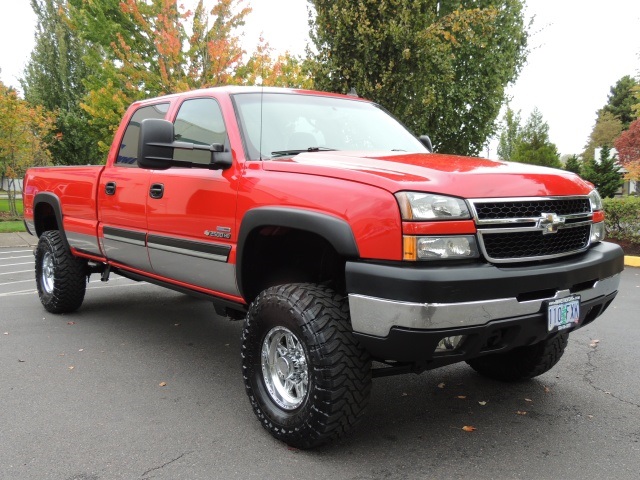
(47, 273)
(284, 368)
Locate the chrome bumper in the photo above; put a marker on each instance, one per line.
(376, 316)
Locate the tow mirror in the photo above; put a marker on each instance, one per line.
(426, 141)
(157, 144)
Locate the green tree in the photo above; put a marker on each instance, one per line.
(534, 146)
(622, 99)
(605, 131)
(53, 78)
(509, 134)
(574, 165)
(439, 66)
(604, 173)
(24, 130)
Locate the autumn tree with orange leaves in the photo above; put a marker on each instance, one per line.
(142, 49)
(628, 147)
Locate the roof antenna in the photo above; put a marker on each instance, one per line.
(353, 93)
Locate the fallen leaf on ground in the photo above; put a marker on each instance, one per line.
(590, 416)
(528, 400)
(468, 428)
(547, 389)
(71, 367)
(405, 394)
(483, 403)
(163, 384)
(71, 323)
(461, 397)
(520, 412)
(6, 333)
(441, 385)
(81, 350)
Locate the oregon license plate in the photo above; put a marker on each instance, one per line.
(563, 313)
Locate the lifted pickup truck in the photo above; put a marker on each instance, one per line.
(337, 236)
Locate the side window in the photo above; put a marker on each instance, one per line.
(199, 121)
(128, 155)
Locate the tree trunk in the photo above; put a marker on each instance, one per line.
(11, 196)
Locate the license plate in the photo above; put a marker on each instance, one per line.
(563, 313)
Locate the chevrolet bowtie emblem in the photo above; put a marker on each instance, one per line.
(549, 223)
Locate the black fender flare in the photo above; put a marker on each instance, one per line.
(333, 229)
(53, 201)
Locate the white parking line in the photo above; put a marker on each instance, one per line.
(31, 292)
(17, 281)
(20, 271)
(14, 264)
(2, 252)
(13, 258)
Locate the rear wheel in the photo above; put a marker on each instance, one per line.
(61, 278)
(523, 362)
(306, 376)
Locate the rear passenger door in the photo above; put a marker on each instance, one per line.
(191, 212)
(122, 196)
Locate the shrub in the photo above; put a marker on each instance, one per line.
(623, 218)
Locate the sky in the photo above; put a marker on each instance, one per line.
(578, 50)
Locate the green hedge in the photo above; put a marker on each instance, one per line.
(623, 218)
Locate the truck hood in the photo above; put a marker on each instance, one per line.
(465, 177)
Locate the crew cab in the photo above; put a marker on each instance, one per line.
(339, 239)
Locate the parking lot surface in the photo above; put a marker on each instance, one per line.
(146, 383)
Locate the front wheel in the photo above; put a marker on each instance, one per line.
(523, 362)
(61, 278)
(306, 376)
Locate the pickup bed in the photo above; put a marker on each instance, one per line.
(338, 238)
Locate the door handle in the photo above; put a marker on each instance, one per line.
(110, 188)
(156, 191)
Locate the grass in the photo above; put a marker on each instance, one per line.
(4, 205)
(11, 226)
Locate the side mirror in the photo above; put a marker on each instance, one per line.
(426, 141)
(156, 145)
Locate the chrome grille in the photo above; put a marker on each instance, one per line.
(513, 229)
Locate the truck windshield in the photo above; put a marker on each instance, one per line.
(285, 124)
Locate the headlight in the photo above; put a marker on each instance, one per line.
(427, 206)
(596, 201)
(454, 247)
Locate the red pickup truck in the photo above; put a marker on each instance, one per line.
(337, 236)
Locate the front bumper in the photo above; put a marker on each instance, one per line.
(401, 312)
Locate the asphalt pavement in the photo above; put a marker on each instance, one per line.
(146, 383)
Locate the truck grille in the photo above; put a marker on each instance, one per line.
(532, 208)
(520, 245)
(530, 229)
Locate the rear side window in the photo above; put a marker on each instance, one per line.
(199, 121)
(128, 155)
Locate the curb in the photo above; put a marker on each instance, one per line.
(631, 261)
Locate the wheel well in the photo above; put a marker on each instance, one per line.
(278, 255)
(45, 219)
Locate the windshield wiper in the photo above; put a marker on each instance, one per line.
(285, 153)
